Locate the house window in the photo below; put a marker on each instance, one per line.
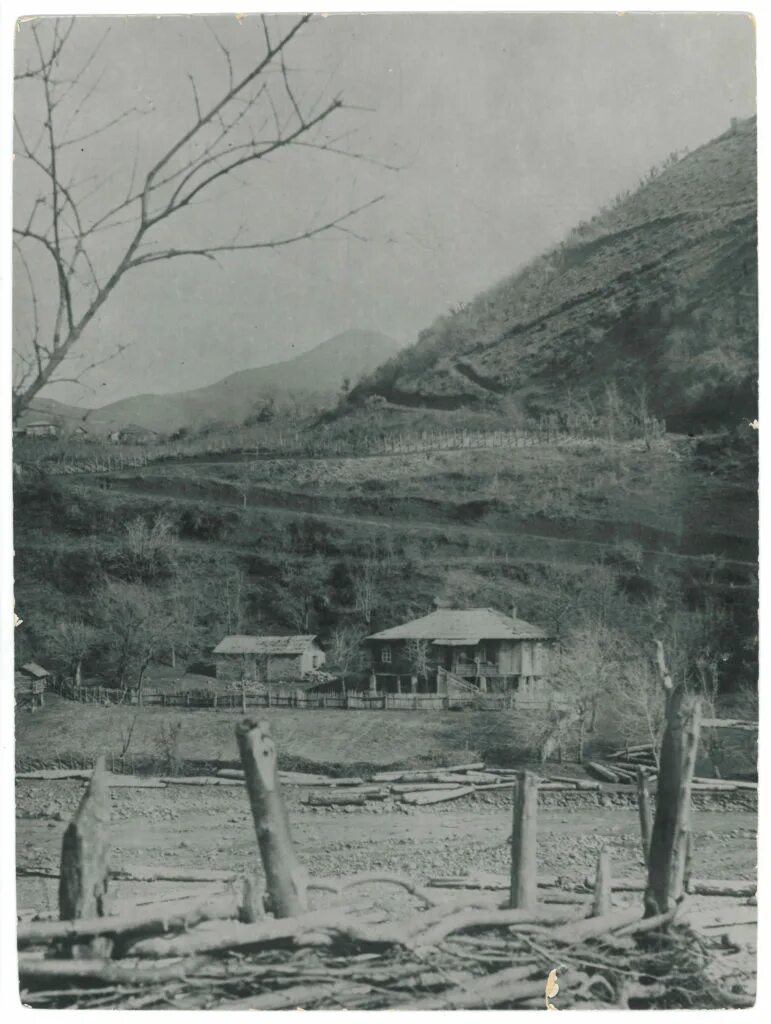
(483, 654)
(385, 655)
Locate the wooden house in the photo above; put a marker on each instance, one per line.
(267, 659)
(479, 648)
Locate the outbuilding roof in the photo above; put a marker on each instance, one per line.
(265, 644)
(33, 669)
(467, 626)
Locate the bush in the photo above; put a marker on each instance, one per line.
(201, 522)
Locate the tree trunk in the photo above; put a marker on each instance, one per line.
(85, 857)
(523, 843)
(286, 880)
(669, 838)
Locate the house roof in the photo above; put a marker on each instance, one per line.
(33, 669)
(264, 644)
(456, 627)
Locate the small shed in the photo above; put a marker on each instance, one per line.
(40, 428)
(30, 682)
(267, 659)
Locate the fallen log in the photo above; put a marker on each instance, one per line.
(718, 887)
(235, 935)
(720, 783)
(602, 771)
(591, 927)
(436, 796)
(335, 800)
(696, 887)
(417, 774)
(729, 723)
(142, 873)
(486, 881)
(510, 917)
(575, 783)
(636, 748)
(506, 986)
(418, 787)
(113, 781)
(297, 997)
(33, 971)
(199, 780)
(150, 920)
(294, 778)
(49, 774)
(138, 873)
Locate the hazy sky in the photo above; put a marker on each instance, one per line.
(507, 130)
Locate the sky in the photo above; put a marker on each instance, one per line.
(489, 137)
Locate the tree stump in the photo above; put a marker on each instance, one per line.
(669, 837)
(285, 878)
(524, 879)
(85, 858)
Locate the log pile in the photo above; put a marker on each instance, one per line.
(326, 943)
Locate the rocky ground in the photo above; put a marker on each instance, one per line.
(211, 828)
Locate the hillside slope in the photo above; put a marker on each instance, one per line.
(319, 372)
(659, 291)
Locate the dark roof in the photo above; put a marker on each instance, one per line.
(467, 626)
(265, 644)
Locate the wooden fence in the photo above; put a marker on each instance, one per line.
(314, 701)
(92, 457)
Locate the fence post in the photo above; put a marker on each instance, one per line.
(524, 879)
(644, 807)
(669, 837)
(285, 878)
(603, 889)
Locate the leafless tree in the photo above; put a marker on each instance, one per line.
(346, 656)
(365, 590)
(256, 113)
(71, 642)
(417, 652)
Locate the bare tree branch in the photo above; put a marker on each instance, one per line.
(227, 135)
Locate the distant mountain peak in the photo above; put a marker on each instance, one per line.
(318, 372)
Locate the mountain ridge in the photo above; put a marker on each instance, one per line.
(318, 373)
(657, 293)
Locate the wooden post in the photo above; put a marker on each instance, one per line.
(285, 878)
(644, 807)
(603, 888)
(666, 863)
(84, 869)
(524, 878)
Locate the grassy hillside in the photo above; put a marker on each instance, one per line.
(640, 538)
(655, 296)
